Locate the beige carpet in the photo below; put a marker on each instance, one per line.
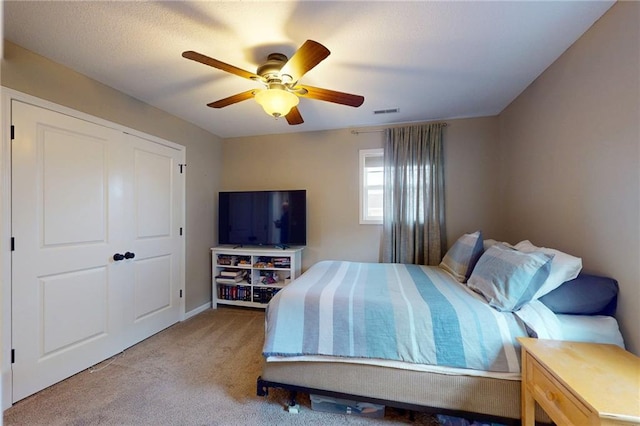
(199, 372)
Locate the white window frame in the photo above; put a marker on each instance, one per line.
(365, 219)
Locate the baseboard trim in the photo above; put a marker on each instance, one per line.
(197, 310)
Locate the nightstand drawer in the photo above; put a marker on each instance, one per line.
(555, 398)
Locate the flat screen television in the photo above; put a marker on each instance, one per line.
(271, 218)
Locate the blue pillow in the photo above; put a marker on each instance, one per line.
(509, 278)
(584, 295)
(463, 256)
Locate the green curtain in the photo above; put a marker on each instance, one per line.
(413, 225)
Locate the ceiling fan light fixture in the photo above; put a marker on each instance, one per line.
(280, 76)
(276, 102)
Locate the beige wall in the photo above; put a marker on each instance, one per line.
(571, 152)
(29, 73)
(472, 165)
(323, 163)
(326, 165)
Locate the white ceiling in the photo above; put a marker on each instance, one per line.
(432, 60)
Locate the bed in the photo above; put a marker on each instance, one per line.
(439, 339)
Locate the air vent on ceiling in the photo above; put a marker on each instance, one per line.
(387, 111)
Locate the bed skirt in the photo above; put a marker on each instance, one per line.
(480, 398)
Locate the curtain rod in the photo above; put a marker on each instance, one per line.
(357, 132)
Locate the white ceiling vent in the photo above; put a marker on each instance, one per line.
(386, 111)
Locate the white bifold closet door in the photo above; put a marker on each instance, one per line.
(97, 265)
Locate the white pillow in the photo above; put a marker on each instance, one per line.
(564, 267)
(490, 242)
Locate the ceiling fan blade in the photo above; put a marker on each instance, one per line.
(203, 59)
(310, 54)
(239, 97)
(330, 96)
(294, 117)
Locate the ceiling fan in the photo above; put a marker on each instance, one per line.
(280, 76)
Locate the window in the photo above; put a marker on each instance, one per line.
(371, 185)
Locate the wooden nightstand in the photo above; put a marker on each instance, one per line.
(580, 383)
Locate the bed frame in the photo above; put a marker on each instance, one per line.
(470, 397)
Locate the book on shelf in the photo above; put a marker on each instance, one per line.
(228, 280)
(264, 294)
(282, 262)
(231, 273)
(234, 292)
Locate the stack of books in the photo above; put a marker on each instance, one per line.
(282, 262)
(234, 292)
(230, 276)
(264, 294)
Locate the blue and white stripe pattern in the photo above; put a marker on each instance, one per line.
(509, 278)
(463, 256)
(411, 313)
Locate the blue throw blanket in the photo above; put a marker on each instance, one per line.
(411, 313)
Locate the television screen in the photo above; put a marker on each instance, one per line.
(277, 218)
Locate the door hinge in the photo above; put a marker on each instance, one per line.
(181, 231)
(13, 356)
(13, 132)
(181, 167)
(180, 294)
(13, 244)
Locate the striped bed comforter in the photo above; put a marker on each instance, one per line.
(410, 313)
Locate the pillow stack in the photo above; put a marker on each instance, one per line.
(508, 276)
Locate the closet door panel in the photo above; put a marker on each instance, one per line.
(155, 300)
(152, 286)
(153, 172)
(61, 296)
(59, 310)
(74, 193)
